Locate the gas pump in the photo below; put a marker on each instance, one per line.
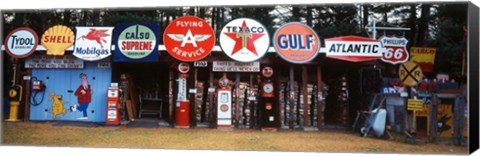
(182, 109)
(224, 104)
(15, 93)
(113, 105)
(269, 116)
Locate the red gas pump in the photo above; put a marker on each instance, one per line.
(182, 109)
(224, 104)
(268, 110)
(113, 106)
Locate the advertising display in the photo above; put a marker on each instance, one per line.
(410, 73)
(353, 48)
(425, 57)
(21, 42)
(244, 40)
(52, 62)
(57, 39)
(396, 49)
(189, 38)
(296, 43)
(93, 43)
(136, 42)
(231, 66)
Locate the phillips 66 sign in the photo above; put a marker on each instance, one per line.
(396, 49)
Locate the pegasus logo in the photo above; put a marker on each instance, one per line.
(96, 35)
(189, 38)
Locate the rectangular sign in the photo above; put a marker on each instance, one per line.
(136, 42)
(353, 48)
(53, 62)
(93, 43)
(231, 66)
(200, 64)
(414, 105)
(425, 57)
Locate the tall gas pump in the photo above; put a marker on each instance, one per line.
(182, 109)
(113, 105)
(268, 109)
(224, 104)
(15, 93)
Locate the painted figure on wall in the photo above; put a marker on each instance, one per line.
(57, 105)
(84, 94)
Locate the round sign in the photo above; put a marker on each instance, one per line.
(183, 67)
(296, 42)
(268, 88)
(137, 41)
(189, 38)
(410, 73)
(223, 82)
(267, 72)
(224, 107)
(244, 40)
(21, 42)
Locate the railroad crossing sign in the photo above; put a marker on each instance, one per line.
(410, 73)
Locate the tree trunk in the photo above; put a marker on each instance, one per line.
(309, 16)
(423, 25)
(412, 24)
(365, 17)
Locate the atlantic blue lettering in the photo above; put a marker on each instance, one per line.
(353, 48)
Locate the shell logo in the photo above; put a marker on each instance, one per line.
(57, 39)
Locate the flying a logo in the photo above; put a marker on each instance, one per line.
(93, 43)
(96, 35)
(244, 40)
(189, 38)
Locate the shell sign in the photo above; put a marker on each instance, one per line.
(57, 39)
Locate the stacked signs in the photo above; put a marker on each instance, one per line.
(296, 43)
(21, 42)
(136, 42)
(244, 40)
(353, 48)
(93, 43)
(189, 38)
(57, 39)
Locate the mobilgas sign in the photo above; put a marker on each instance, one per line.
(353, 48)
(189, 38)
(136, 42)
(93, 43)
(21, 42)
(244, 40)
(296, 42)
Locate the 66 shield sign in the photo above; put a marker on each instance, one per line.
(396, 49)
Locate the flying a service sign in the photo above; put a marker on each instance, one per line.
(21, 42)
(93, 43)
(244, 40)
(136, 42)
(353, 48)
(189, 38)
(296, 42)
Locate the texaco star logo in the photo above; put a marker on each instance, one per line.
(244, 40)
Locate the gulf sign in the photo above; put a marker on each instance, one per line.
(57, 39)
(21, 42)
(296, 43)
(93, 43)
(353, 48)
(136, 42)
(244, 40)
(189, 38)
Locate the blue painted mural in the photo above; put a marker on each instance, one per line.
(60, 87)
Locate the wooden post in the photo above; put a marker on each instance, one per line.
(211, 117)
(433, 118)
(320, 94)
(194, 97)
(170, 96)
(27, 95)
(237, 102)
(291, 97)
(252, 109)
(305, 95)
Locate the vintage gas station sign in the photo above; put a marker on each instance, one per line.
(93, 43)
(353, 48)
(396, 49)
(296, 43)
(53, 62)
(425, 57)
(410, 73)
(21, 42)
(189, 38)
(136, 42)
(231, 66)
(244, 40)
(57, 39)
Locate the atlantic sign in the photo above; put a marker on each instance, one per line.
(296, 43)
(244, 40)
(189, 38)
(136, 42)
(21, 42)
(93, 43)
(353, 48)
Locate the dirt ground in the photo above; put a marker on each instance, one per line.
(44, 134)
